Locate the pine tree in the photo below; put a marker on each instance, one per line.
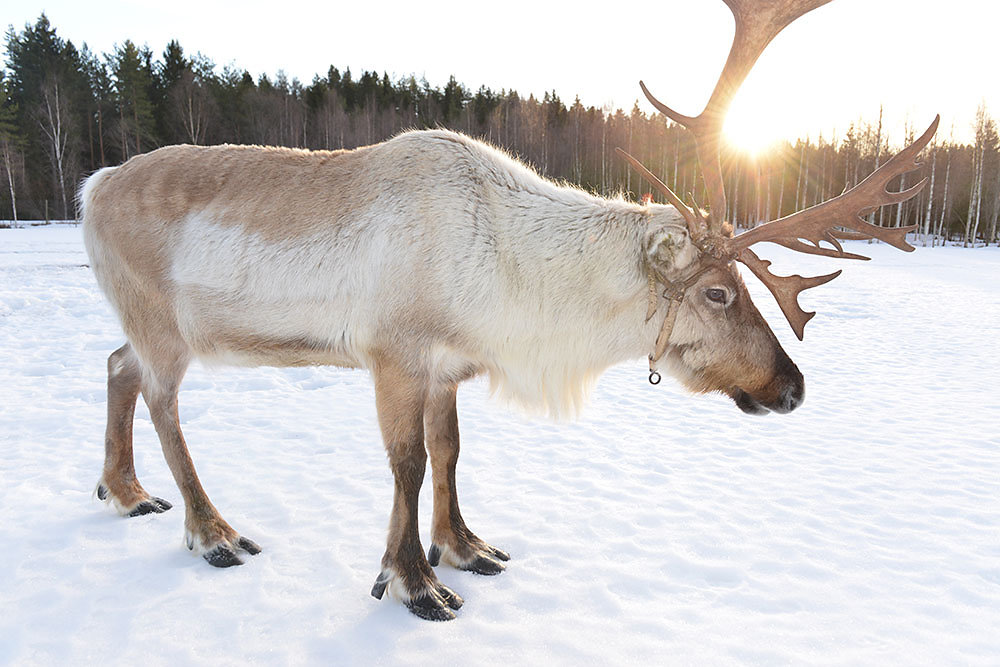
(133, 75)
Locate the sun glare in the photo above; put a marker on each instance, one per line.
(750, 127)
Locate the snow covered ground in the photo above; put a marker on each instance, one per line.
(863, 528)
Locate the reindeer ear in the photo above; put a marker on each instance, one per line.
(669, 248)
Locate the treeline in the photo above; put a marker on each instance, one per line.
(65, 112)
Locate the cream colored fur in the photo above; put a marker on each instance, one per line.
(432, 248)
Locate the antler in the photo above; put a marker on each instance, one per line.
(757, 23)
(817, 224)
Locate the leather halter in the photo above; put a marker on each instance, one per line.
(674, 292)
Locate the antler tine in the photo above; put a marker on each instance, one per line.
(695, 226)
(847, 209)
(837, 251)
(757, 23)
(786, 289)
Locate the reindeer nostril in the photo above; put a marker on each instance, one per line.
(791, 397)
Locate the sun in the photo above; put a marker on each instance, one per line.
(752, 126)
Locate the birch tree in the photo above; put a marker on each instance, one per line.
(992, 236)
(926, 227)
(53, 118)
(985, 147)
(944, 203)
(191, 99)
(10, 145)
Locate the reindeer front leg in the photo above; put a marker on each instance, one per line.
(399, 399)
(451, 539)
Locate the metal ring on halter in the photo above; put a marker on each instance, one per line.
(654, 377)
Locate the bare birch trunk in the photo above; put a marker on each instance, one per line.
(930, 200)
(944, 202)
(8, 167)
(996, 210)
(52, 126)
(977, 165)
(979, 195)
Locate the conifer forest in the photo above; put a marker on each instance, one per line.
(67, 111)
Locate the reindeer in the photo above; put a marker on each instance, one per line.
(430, 259)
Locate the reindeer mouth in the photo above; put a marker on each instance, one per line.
(748, 403)
(789, 399)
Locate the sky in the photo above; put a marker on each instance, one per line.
(831, 67)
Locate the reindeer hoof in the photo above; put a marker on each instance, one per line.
(485, 561)
(430, 608)
(434, 555)
(378, 590)
(499, 554)
(222, 556)
(152, 506)
(450, 597)
(483, 565)
(433, 604)
(249, 546)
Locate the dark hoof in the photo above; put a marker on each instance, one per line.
(378, 590)
(450, 597)
(434, 555)
(222, 556)
(249, 546)
(152, 506)
(500, 555)
(102, 492)
(430, 608)
(484, 565)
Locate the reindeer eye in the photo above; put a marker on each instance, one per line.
(715, 294)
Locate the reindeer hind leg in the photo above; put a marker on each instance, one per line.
(206, 532)
(118, 484)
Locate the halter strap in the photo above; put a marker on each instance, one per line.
(674, 293)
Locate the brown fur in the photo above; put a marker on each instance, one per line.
(399, 400)
(733, 348)
(124, 379)
(448, 529)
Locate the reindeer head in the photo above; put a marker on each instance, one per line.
(713, 336)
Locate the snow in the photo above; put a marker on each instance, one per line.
(659, 527)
